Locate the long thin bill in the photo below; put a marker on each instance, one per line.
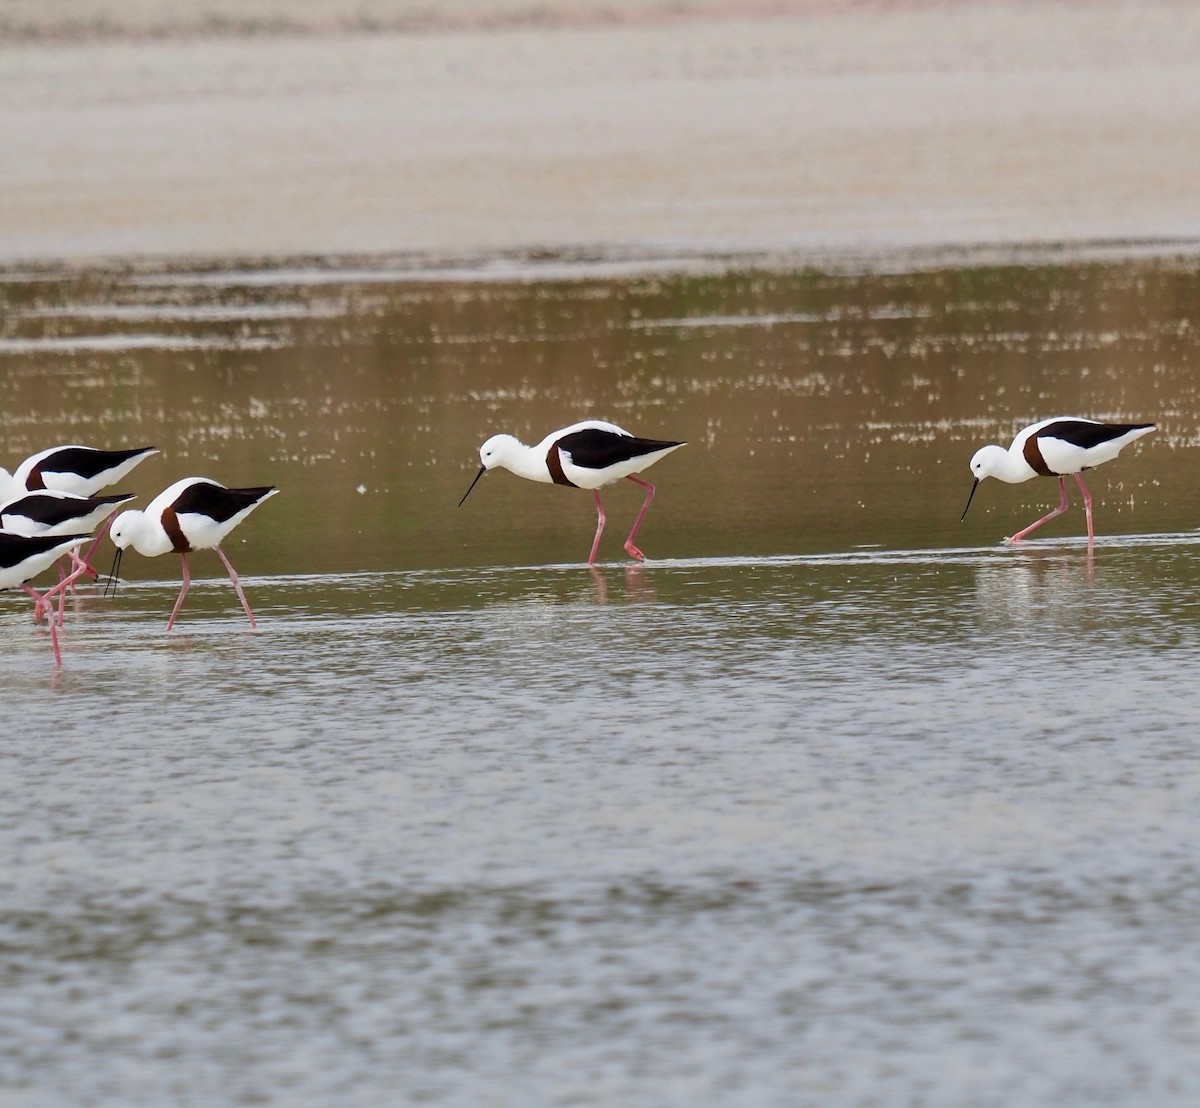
(969, 499)
(112, 573)
(482, 471)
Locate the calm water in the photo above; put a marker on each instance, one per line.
(832, 802)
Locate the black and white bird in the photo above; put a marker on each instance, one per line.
(23, 557)
(50, 512)
(193, 514)
(1059, 447)
(586, 455)
(82, 470)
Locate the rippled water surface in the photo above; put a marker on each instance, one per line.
(833, 801)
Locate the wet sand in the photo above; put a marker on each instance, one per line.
(268, 130)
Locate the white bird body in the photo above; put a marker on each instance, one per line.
(192, 514)
(585, 455)
(1062, 446)
(202, 522)
(23, 557)
(534, 462)
(82, 470)
(1066, 444)
(50, 512)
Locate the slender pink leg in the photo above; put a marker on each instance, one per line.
(630, 549)
(61, 589)
(87, 568)
(39, 601)
(1062, 507)
(87, 558)
(81, 567)
(54, 643)
(187, 582)
(65, 581)
(599, 527)
(65, 586)
(1087, 506)
(237, 585)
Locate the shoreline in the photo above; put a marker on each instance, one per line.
(588, 264)
(55, 23)
(811, 129)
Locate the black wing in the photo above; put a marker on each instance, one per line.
(593, 448)
(50, 511)
(14, 549)
(207, 498)
(1086, 435)
(85, 461)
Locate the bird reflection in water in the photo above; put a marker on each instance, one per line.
(638, 588)
(1034, 587)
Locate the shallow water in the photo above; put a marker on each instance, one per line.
(832, 801)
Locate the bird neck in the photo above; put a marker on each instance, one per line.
(526, 461)
(149, 541)
(1012, 467)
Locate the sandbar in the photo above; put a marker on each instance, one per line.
(324, 128)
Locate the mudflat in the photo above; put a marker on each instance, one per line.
(268, 129)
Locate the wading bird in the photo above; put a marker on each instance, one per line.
(23, 557)
(1055, 447)
(193, 514)
(585, 455)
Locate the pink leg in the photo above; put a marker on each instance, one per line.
(67, 585)
(599, 527)
(39, 601)
(61, 588)
(187, 582)
(1087, 506)
(630, 549)
(68, 582)
(89, 569)
(92, 549)
(237, 585)
(54, 643)
(1062, 507)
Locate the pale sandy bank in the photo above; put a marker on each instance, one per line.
(798, 128)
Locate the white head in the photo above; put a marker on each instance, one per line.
(123, 528)
(497, 451)
(121, 531)
(988, 461)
